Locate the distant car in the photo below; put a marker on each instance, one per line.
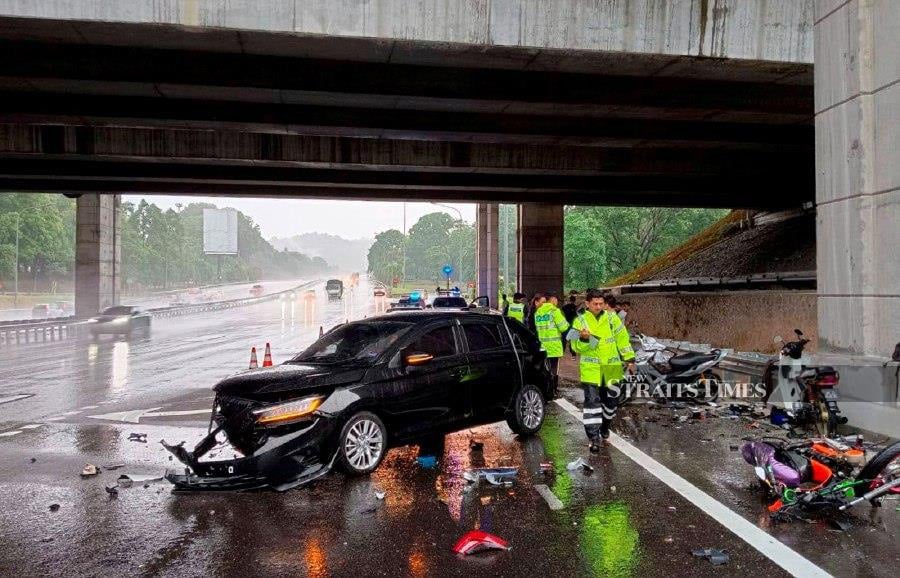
(256, 290)
(335, 289)
(65, 308)
(41, 311)
(120, 320)
(449, 303)
(365, 387)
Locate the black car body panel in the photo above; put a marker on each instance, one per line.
(479, 362)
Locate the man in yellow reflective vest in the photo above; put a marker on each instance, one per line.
(603, 345)
(551, 326)
(516, 309)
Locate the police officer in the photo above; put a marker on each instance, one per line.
(550, 325)
(516, 309)
(603, 345)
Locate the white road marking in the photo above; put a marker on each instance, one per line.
(12, 398)
(766, 544)
(32, 426)
(90, 407)
(134, 416)
(549, 497)
(54, 419)
(7, 434)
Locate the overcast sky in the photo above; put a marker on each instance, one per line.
(349, 219)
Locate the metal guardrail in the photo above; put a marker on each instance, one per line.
(743, 362)
(62, 328)
(800, 278)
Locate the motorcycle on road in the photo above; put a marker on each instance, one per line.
(802, 394)
(664, 375)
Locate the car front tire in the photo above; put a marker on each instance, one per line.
(362, 444)
(526, 416)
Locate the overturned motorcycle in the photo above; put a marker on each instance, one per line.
(821, 477)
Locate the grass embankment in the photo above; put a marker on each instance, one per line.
(713, 234)
(26, 301)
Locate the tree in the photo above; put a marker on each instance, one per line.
(584, 250)
(386, 255)
(429, 234)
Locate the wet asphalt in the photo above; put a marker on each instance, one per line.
(618, 520)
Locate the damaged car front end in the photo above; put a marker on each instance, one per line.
(282, 421)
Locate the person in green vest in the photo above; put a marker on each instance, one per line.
(516, 309)
(603, 345)
(550, 325)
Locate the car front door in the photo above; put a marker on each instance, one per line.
(493, 369)
(432, 395)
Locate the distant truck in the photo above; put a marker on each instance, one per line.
(335, 289)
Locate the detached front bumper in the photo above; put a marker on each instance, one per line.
(281, 463)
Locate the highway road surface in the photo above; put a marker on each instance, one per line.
(660, 490)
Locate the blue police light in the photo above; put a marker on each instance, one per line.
(415, 296)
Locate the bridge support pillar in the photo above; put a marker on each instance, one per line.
(487, 224)
(540, 259)
(98, 253)
(857, 103)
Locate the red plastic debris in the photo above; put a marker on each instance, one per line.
(479, 541)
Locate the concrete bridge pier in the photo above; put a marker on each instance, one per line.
(540, 257)
(487, 263)
(98, 253)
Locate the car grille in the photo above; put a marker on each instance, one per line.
(236, 417)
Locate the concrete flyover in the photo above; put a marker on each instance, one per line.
(693, 103)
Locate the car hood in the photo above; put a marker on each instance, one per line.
(289, 378)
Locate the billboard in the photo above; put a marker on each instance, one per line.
(220, 232)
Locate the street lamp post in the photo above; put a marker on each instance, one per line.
(459, 214)
(16, 271)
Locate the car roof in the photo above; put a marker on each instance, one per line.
(425, 315)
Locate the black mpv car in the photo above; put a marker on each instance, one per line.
(367, 386)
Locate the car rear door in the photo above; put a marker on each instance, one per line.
(493, 370)
(432, 396)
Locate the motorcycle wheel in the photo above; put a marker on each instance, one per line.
(713, 387)
(826, 422)
(882, 466)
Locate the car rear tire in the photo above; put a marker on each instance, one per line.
(527, 413)
(362, 444)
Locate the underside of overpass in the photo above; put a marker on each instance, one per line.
(175, 104)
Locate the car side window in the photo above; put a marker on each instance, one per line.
(482, 336)
(438, 342)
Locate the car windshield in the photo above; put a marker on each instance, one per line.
(117, 310)
(450, 302)
(363, 342)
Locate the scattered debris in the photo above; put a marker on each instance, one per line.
(137, 437)
(380, 495)
(427, 462)
(716, 557)
(89, 470)
(112, 491)
(668, 539)
(126, 480)
(46, 539)
(840, 524)
(579, 463)
(111, 467)
(612, 489)
(546, 467)
(479, 541)
(494, 476)
(476, 445)
(754, 425)
(734, 448)
(33, 460)
(673, 509)
(54, 507)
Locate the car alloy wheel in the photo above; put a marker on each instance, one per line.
(363, 444)
(531, 408)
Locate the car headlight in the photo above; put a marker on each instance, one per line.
(288, 412)
(121, 319)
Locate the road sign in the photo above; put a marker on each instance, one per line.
(448, 270)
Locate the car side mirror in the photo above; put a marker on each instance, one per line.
(798, 332)
(416, 359)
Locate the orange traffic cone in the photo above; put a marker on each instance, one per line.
(267, 358)
(253, 363)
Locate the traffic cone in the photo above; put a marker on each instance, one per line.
(253, 363)
(267, 358)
